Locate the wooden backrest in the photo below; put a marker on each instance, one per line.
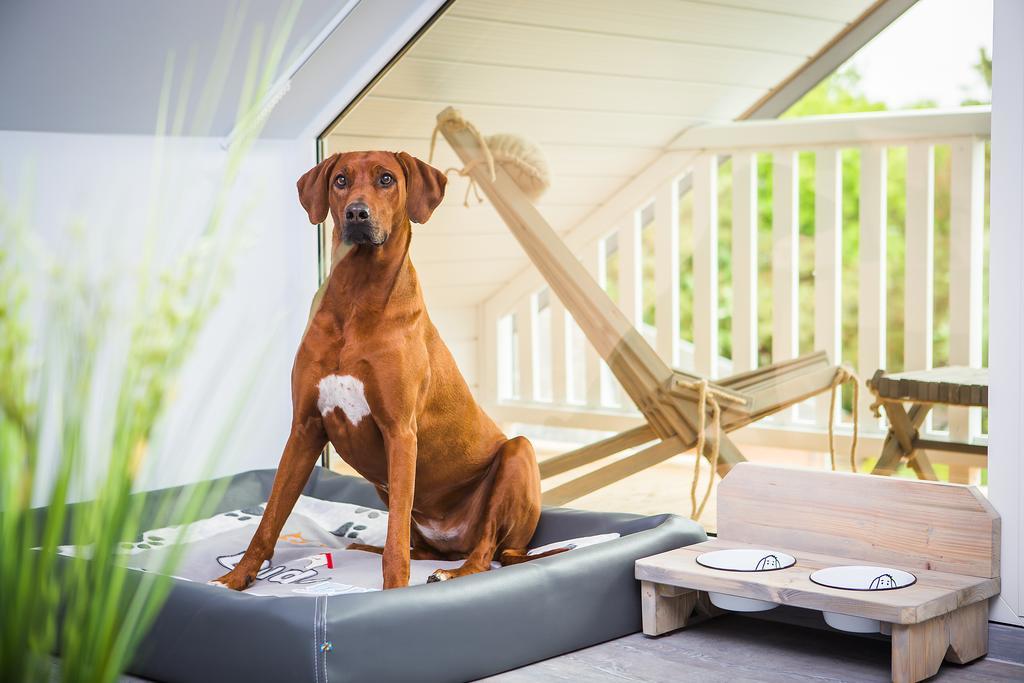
(885, 520)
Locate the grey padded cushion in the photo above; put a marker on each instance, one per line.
(458, 630)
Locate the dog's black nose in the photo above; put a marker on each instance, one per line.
(357, 212)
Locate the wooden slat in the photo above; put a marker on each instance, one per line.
(744, 261)
(828, 261)
(871, 309)
(785, 256)
(616, 471)
(666, 271)
(915, 524)
(705, 265)
(559, 353)
(919, 276)
(967, 216)
(525, 314)
(592, 452)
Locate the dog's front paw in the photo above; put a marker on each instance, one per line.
(439, 575)
(235, 580)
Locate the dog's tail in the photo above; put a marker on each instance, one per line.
(520, 555)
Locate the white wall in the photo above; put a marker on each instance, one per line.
(243, 358)
(1006, 337)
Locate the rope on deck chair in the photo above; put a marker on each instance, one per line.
(705, 397)
(843, 375)
(453, 117)
(522, 160)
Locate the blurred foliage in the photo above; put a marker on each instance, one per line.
(58, 382)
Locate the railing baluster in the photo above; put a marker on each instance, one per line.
(871, 310)
(593, 260)
(705, 265)
(919, 275)
(559, 356)
(785, 261)
(666, 272)
(525, 313)
(967, 217)
(630, 270)
(828, 261)
(744, 261)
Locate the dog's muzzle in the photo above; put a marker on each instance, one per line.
(362, 233)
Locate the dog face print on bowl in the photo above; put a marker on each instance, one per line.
(746, 560)
(863, 578)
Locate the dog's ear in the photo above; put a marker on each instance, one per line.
(313, 187)
(424, 187)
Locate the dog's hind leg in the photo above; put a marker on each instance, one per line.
(512, 556)
(510, 515)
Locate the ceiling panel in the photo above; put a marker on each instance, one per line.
(487, 42)
(699, 23)
(601, 86)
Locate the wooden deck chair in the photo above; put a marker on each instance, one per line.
(666, 397)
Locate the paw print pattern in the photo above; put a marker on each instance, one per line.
(349, 530)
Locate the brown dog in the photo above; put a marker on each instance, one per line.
(373, 376)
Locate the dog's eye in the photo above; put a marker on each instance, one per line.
(340, 181)
(386, 179)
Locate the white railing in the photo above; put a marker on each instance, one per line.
(537, 368)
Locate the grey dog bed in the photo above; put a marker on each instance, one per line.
(452, 631)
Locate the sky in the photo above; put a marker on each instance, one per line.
(928, 53)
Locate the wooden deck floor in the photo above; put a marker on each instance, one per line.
(741, 649)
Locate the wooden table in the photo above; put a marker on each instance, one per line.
(923, 389)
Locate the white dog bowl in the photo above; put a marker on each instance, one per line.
(851, 624)
(734, 603)
(746, 560)
(860, 578)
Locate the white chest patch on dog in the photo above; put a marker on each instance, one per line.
(345, 392)
(436, 532)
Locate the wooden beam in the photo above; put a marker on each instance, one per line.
(593, 452)
(616, 471)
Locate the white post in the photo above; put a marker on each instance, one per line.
(666, 272)
(1006, 314)
(593, 261)
(705, 265)
(967, 217)
(488, 356)
(525, 312)
(744, 261)
(828, 261)
(871, 309)
(559, 355)
(919, 275)
(631, 271)
(785, 260)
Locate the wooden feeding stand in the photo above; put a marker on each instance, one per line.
(666, 397)
(947, 535)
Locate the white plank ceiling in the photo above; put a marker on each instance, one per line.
(601, 86)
